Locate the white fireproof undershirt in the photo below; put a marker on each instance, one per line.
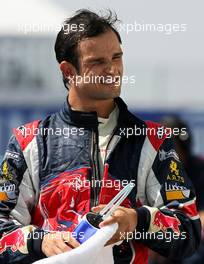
(105, 130)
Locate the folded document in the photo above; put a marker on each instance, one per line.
(90, 252)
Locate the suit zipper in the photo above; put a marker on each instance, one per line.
(111, 137)
(95, 190)
(95, 170)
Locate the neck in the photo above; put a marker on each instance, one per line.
(102, 107)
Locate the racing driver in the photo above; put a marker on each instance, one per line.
(44, 174)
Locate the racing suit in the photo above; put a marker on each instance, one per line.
(47, 163)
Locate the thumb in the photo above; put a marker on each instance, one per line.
(98, 208)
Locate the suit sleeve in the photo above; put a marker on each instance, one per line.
(17, 243)
(169, 221)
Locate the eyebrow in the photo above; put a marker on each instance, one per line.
(99, 59)
(118, 54)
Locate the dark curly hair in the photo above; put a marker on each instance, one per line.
(83, 24)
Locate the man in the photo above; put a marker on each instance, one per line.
(194, 166)
(44, 174)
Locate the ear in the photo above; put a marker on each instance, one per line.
(68, 69)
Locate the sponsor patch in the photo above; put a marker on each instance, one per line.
(16, 240)
(163, 222)
(176, 192)
(164, 155)
(7, 192)
(174, 168)
(12, 155)
(3, 197)
(175, 178)
(174, 174)
(6, 175)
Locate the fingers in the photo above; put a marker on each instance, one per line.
(98, 208)
(109, 221)
(70, 240)
(57, 243)
(57, 250)
(49, 253)
(62, 246)
(116, 217)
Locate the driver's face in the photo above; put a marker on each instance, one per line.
(101, 66)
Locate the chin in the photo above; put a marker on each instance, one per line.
(106, 97)
(103, 93)
(113, 95)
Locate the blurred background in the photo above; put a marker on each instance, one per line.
(167, 65)
(165, 61)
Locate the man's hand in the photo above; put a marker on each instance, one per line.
(126, 219)
(58, 242)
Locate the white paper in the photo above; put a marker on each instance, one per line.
(90, 252)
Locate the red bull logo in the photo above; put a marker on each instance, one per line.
(163, 222)
(14, 240)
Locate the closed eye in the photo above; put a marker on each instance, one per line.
(118, 56)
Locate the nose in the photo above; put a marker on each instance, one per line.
(110, 68)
